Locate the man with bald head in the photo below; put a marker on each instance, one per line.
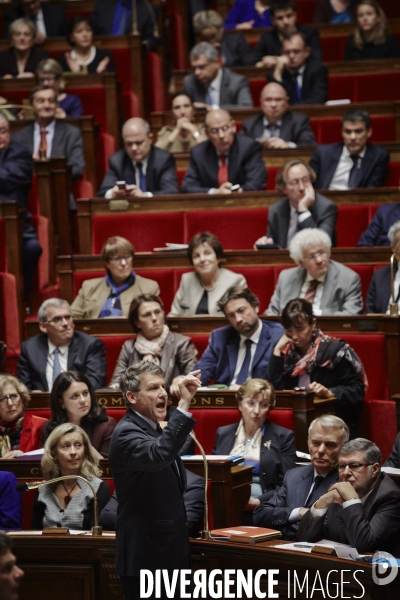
(225, 160)
(139, 169)
(278, 127)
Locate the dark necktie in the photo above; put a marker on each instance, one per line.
(244, 371)
(223, 170)
(56, 365)
(42, 150)
(142, 177)
(311, 290)
(297, 98)
(315, 493)
(273, 129)
(158, 428)
(355, 173)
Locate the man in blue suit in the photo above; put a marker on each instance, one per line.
(379, 292)
(353, 163)
(302, 487)
(241, 350)
(377, 232)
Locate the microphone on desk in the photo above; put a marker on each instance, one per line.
(25, 486)
(205, 533)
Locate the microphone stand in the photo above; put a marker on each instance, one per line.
(33, 485)
(205, 534)
(393, 308)
(135, 30)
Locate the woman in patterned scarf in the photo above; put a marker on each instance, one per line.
(19, 430)
(305, 357)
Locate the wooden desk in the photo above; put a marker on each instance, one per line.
(68, 265)
(82, 568)
(106, 81)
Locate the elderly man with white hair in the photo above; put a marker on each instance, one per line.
(332, 288)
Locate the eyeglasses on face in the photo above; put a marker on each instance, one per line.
(119, 259)
(13, 397)
(58, 320)
(352, 466)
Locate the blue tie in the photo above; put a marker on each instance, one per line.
(210, 95)
(56, 366)
(297, 95)
(142, 177)
(244, 371)
(315, 494)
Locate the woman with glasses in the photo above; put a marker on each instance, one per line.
(73, 400)
(23, 56)
(304, 357)
(19, 430)
(112, 295)
(49, 74)
(69, 503)
(267, 447)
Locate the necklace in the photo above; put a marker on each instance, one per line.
(67, 498)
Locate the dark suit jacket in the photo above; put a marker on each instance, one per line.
(151, 522)
(393, 460)
(245, 166)
(101, 53)
(374, 165)
(53, 15)
(8, 61)
(315, 83)
(270, 45)
(219, 359)
(235, 50)
(323, 216)
(379, 291)
(193, 499)
(374, 525)
(295, 128)
(67, 141)
(274, 461)
(376, 234)
(343, 381)
(160, 175)
(85, 353)
(235, 91)
(102, 19)
(15, 173)
(292, 494)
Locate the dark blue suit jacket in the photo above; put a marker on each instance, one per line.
(15, 173)
(374, 165)
(219, 359)
(376, 234)
(292, 494)
(379, 291)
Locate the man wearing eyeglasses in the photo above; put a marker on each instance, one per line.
(60, 348)
(362, 509)
(332, 288)
(226, 162)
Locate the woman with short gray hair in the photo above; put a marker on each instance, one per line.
(23, 57)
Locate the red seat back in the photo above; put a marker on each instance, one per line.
(256, 85)
(365, 272)
(9, 319)
(333, 48)
(261, 280)
(271, 178)
(154, 89)
(305, 11)
(328, 130)
(113, 345)
(393, 175)
(350, 224)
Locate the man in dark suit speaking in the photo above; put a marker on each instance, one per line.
(149, 476)
(353, 163)
(60, 348)
(278, 127)
(143, 169)
(224, 160)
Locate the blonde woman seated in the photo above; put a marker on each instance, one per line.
(175, 353)
(112, 295)
(267, 447)
(200, 291)
(68, 503)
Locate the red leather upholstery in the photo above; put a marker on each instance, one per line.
(365, 272)
(271, 178)
(350, 224)
(123, 65)
(200, 340)
(154, 89)
(93, 102)
(130, 105)
(393, 175)
(305, 11)
(113, 344)
(333, 47)
(328, 130)
(176, 40)
(9, 325)
(106, 148)
(144, 230)
(237, 229)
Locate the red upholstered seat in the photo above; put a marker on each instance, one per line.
(237, 229)
(393, 175)
(106, 148)
(256, 85)
(305, 11)
(154, 89)
(113, 344)
(371, 348)
(144, 231)
(350, 224)
(122, 62)
(130, 105)
(94, 103)
(341, 87)
(9, 323)
(332, 47)
(365, 272)
(200, 340)
(261, 280)
(271, 178)
(379, 424)
(376, 87)
(328, 130)
(177, 48)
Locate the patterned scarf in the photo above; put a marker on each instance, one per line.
(112, 306)
(325, 351)
(151, 349)
(252, 456)
(10, 433)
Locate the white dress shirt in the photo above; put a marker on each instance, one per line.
(62, 357)
(242, 353)
(49, 137)
(340, 179)
(39, 22)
